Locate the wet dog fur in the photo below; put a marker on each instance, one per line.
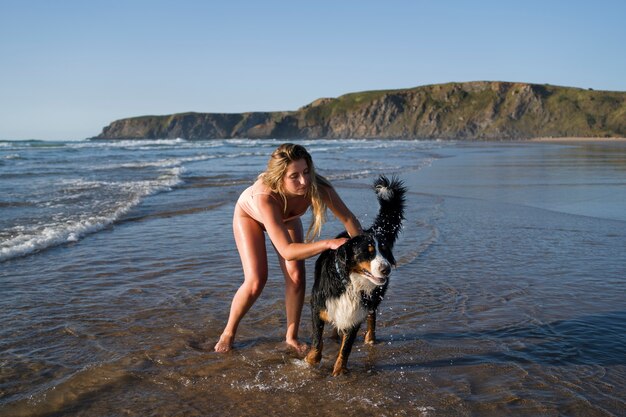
(351, 281)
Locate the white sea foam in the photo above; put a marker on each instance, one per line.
(127, 143)
(60, 230)
(147, 144)
(176, 162)
(162, 163)
(53, 235)
(349, 175)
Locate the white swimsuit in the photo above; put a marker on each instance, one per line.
(249, 204)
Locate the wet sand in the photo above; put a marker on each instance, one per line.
(578, 140)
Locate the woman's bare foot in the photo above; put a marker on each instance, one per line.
(225, 343)
(298, 347)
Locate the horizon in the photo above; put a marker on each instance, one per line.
(74, 68)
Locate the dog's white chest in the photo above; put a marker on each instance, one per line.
(347, 310)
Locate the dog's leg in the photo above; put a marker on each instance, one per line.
(344, 351)
(370, 334)
(315, 354)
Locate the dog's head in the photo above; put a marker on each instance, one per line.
(367, 259)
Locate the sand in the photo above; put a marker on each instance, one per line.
(577, 139)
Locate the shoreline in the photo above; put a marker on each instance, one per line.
(570, 139)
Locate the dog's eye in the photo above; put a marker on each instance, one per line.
(370, 248)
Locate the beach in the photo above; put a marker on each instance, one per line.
(117, 263)
(566, 140)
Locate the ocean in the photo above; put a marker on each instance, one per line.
(117, 262)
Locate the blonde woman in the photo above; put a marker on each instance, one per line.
(274, 204)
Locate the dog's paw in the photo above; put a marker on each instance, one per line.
(314, 357)
(370, 338)
(340, 371)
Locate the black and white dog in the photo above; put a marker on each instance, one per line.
(351, 281)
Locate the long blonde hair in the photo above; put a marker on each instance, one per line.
(274, 175)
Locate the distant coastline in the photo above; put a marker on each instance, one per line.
(476, 111)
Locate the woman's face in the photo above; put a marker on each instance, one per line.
(297, 178)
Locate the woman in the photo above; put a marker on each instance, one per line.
(274, 204)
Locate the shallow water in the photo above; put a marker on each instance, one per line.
(508, 298)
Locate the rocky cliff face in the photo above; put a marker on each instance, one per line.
(472, 111)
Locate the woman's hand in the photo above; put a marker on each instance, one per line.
(336, 243)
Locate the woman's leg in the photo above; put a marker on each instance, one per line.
(250, 240)
(295, 286)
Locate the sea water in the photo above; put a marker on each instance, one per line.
(117, 262)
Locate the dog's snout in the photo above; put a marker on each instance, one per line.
(385, 269)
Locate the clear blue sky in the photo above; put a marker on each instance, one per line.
(69, 67)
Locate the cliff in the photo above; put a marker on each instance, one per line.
(472, 111)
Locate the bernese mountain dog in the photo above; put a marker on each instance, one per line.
(351, 281)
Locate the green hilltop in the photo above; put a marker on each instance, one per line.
(483, 110)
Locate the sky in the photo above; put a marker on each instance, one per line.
(69, 68)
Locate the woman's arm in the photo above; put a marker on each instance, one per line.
(272, 220)
(341, 211)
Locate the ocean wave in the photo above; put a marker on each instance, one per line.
(349, 175)
(252, 142)
(176, 162)
(119, 199)
(146, 144)
(128, 143)
(29, 144)
(372, 143)
(161, 163)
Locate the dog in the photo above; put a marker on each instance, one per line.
(351, 281)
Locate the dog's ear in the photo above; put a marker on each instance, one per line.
(343, 255)
(343, 252)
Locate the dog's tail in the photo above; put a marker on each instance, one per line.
(391, 197)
